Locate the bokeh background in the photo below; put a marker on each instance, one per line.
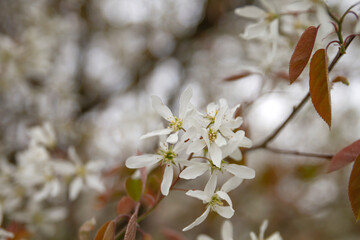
(89, 68)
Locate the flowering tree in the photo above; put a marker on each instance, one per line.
(62, 148)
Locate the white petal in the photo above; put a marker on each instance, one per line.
(226, 212)
(240, 171)
(220, 115)
(215, 154)
(56, 188)
(194, 171)
(184, 102)
(236, 155)
(211, 109)
(173, 138)
(267, 5)
(95, 183)
(203, 237)
(231, 184)
(156, 133)
(94, 165)
(161, 108)
(253, 236)
(263, 227)
(63, 168)
(227, 231)
(142, 160)
(255, 30)
(196, 146)
(75, 188)
(205, 135)
(198, 220)
(199, 195)
(211, 185)
(250, 12)
(224, 196)
(73, 155)
(167, 180)
(275, 236)
(5, 234)
(246, 142)
(220, 140)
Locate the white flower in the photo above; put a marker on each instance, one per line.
(169, 156)
(5, 234)
(274, 236)
(42, 135)
(226, 232)
(214, 201)
(175, 123)
(86, 175)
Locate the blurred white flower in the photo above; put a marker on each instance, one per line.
(42, 135)
(214, 201)
(175, 123)
(226, 232)
(274, 236)
(4, 235)
(171, 157)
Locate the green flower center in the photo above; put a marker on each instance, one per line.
(212, 135)
(176, 125)
(215, 201)
(168, 156)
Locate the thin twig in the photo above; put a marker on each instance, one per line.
(298, 153)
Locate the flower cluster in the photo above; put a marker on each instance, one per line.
(198, 143)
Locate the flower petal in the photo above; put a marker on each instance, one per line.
(240, 171)
(198, 220)
(255, 30)
(231, 184)
(250, 12)
(224, 196)
(215, 154)
(203, 237)
(161, 108)
(75, 188)
(167, 180)
(194, 171)
(173, 138)
(226, 212)
(211, 185)
(227, 231)
(199, 195)
(142, 160)
(184, 102)
(196, 146)
(94, 182)
(275, 236)
(220, 140)
(159, 132)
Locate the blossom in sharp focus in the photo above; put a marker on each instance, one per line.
(170, 156)
(274, 236)
(226, 232)
(213, 200)
(175, 123)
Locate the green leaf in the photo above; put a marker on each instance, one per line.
(134, 188)
(302, 53)
(345, 156)
(319, 85)
(354, 188)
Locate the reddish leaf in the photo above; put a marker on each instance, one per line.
(238, 76)
(302, 53)
(86, 228)
(110, 231)
(345, 156)
(341, 79)
(101, 232)
(130, 233)
(125, 205)
(319, 85)
(354, 188)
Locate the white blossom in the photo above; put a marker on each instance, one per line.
(226, 232)
(274, 236)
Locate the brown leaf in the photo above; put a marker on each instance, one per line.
(302, 53)
(341, 79)
(319, 85)
(345, 156)
(130, 233)
(101, 232)
(86, 228)
(354, 188)
(110, 231)
(146, 236)
(125, 205)
(238, 76)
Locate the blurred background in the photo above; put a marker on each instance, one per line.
(89, 68)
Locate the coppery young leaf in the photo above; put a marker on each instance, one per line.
(125, 205)
(354, 188)
(101, 232)
(86, 228)
(110, 231)
(302, 53)
(345, 156)
(341, 79)
(319, 85)
(130, 232)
